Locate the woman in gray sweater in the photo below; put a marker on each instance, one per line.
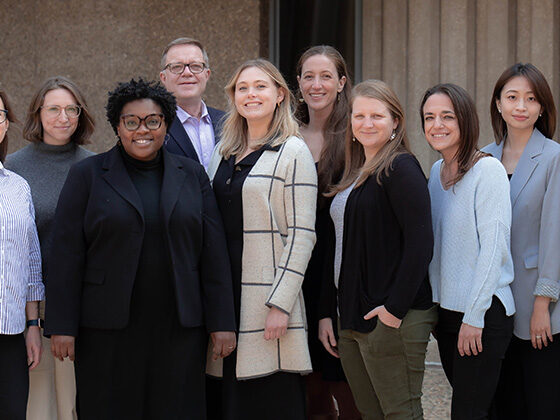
(57, 123)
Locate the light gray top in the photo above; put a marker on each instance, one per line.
(45, 168)
(338, 206)
(472, 259)
(535, 229)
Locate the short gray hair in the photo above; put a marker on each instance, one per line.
(184, 41)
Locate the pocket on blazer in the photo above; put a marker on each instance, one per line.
(94, 276)
(531, 261)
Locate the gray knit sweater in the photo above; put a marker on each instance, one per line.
(45, 168)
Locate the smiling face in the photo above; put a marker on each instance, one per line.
(142, 143)
(256, 96)
(186, 87)
(372, 124)
(319, 83)
(58, 130)
(441, 127)
(518, 105)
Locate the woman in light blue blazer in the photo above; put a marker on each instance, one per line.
(524, 120)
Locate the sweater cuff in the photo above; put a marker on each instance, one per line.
(474, 319)
(548, 288)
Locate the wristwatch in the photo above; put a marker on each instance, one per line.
(34, 323)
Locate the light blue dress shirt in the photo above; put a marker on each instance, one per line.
(20, 256)
(200, 132)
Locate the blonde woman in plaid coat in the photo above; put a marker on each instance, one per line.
(266, 186)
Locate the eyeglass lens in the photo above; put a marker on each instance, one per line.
(3, 115)
(178, 68)
(133, 122)
(72, 111)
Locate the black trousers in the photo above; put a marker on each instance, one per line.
(473, 378)
(141, 374)
(529, 387)
(14, 377)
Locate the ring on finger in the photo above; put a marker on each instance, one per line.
(538, 337)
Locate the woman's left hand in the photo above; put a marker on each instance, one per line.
(540, 330)
(34, 346)
(276, 324)
(470, 340)
(385, 317)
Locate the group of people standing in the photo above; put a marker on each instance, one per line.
(291, 248)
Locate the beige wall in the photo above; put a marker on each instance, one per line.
(414, 44)
(98, 43)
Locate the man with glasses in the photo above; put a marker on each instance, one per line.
(185, 72)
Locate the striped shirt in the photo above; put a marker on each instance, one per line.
(200, 132)
(20, 256)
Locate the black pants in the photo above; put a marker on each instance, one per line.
(139, 374)
(473, 378)
(529, 387)
(14, 377)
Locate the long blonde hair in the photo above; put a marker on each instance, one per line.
(354, 167)
(283, 124)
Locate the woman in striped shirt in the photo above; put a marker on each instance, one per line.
(21, 287)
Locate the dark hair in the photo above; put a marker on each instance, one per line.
(11, 118)
(33, 129)
(331, 162)
(546, 123)
(469, 127)
(133, 90)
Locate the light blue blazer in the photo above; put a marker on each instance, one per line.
(535, 229)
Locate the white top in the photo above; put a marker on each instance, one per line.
(20, 257)
(472, 260)
(200, 132)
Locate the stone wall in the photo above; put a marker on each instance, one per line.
(99, 43)
(414, 44)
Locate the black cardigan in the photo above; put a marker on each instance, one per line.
(387, 247)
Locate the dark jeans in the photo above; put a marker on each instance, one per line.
(14, 377)
(473, 378)
(529, 387)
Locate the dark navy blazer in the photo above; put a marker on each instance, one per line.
(179, 142)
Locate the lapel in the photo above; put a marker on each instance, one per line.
(117, 177)
(178, 135)
(173, 179)
(527, 163)
(217, 119)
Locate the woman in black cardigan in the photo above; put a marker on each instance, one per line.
(381, 212)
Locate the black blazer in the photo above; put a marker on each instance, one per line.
(387, 246)
(97, 238)
(179, 142)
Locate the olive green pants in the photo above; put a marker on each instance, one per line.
(385, 367)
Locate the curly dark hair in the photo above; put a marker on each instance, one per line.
(133, 90)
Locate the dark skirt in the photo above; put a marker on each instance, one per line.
(135, 373)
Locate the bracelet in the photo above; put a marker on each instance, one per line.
(33, 323)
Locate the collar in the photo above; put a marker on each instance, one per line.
(184, 115)
(3, 170)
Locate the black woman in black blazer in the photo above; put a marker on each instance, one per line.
(140, 270)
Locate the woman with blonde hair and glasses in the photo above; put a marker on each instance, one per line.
(265, 182)
(58, 122)
(380, 288)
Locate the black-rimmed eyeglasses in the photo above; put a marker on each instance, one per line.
(3, 115)
(179, 68)
(133, 122)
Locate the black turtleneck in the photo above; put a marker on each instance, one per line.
(153, 297)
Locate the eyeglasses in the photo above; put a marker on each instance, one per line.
(179, 68)
(3, 115)
(133, 122)
(53, 111)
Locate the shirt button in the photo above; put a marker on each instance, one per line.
(238, 168)
(228, 181)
